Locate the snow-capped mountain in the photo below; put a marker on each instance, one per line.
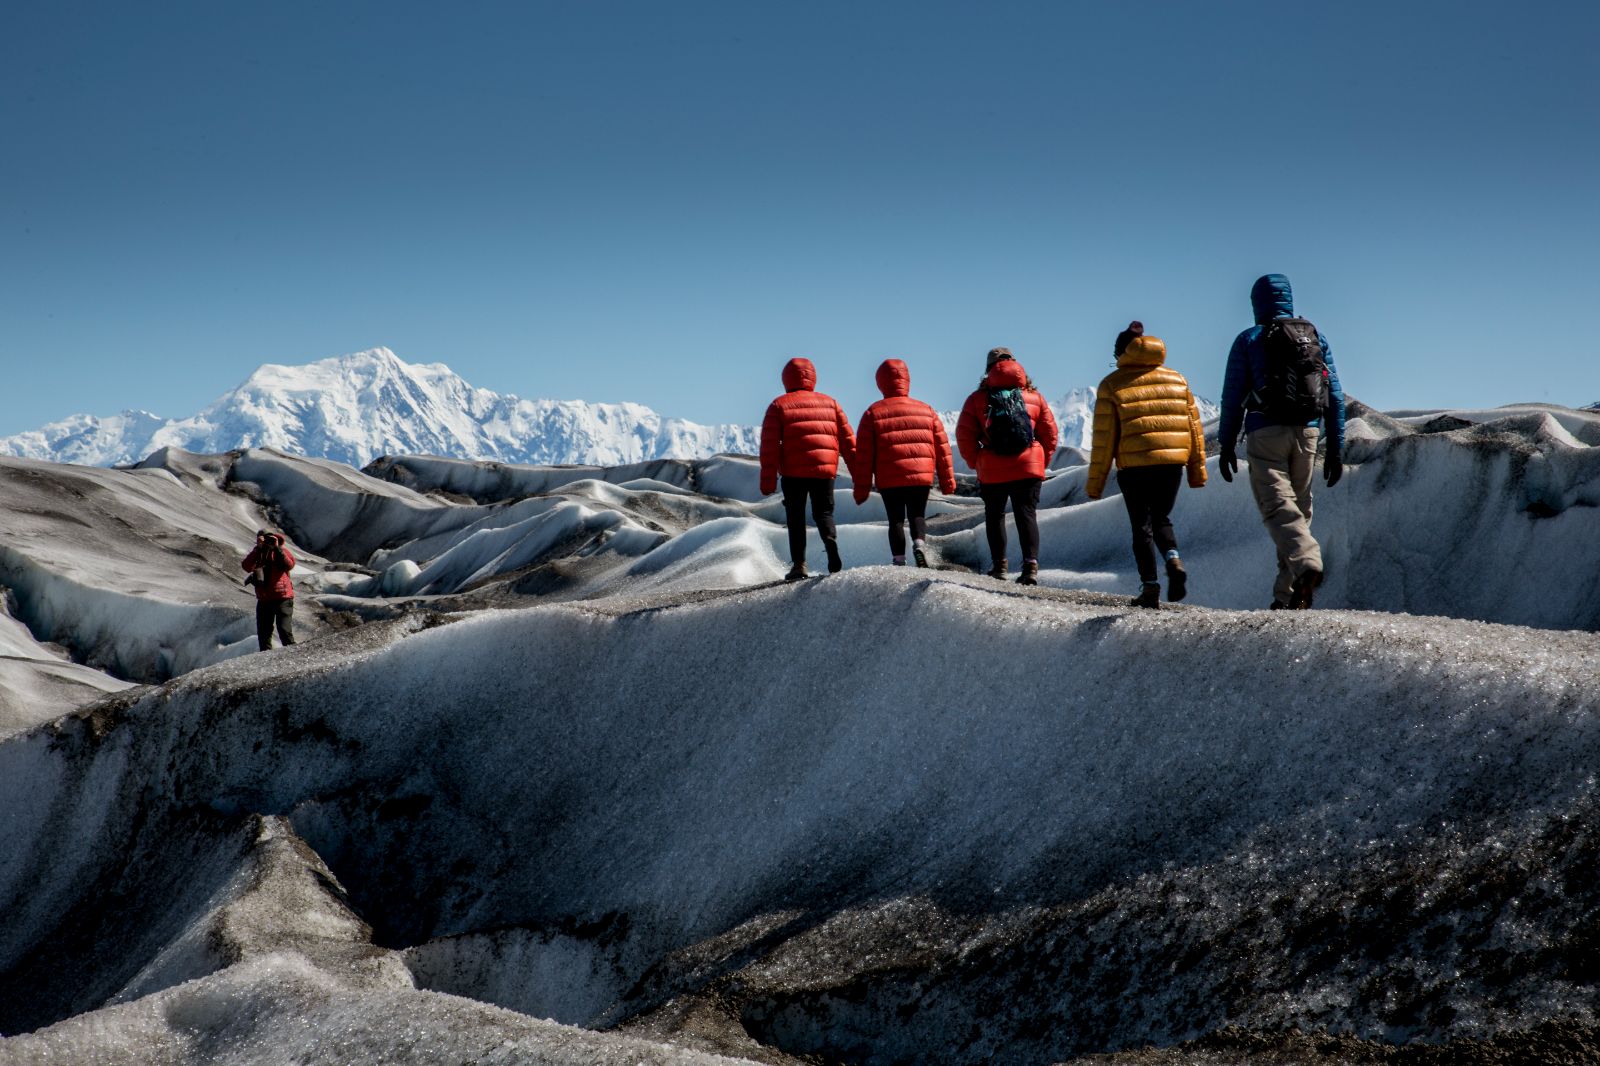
(354, 408)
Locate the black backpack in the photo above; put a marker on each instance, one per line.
(1009, 429)
(1296, 388)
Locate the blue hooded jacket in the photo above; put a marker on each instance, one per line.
(1270, 298)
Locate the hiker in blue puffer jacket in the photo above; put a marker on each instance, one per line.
(1282, 447)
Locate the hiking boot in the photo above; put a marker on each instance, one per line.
(1177, 581)
(1149, 595)
(797, 573)
(1030, 574)
(835, 564)
(998, 570)
(1278, 605)
(920, 556)
(1305, 587)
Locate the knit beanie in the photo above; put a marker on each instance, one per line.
(1135, 329)
(997, 354)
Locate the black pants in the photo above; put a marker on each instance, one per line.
(270, 613)
(1024, 499)
(908, 501)
(1150, 492)
(819, 490)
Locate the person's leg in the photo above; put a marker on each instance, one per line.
(1165, 481)
(265, 613)
(917, 510)
(1134, 484)
(794, 515)
(1276, 463)
(285, 618)
(894, 503)
(1302, 469)
(994, 525)
(1163, 496)
(1025, 510)
(822, 514)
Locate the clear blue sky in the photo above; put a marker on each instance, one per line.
(662, 202)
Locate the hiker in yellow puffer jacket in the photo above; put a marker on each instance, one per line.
(1145, 419)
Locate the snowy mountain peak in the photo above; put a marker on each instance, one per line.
(353, 408)
(356, 407)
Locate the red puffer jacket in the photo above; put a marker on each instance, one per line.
(805, 431)
(970, 429)
(274, 566)
(900, 441)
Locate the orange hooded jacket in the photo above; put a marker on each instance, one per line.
(995, 469)
(900, 441)
(805, 432)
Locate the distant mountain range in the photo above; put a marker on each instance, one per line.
(354, 408)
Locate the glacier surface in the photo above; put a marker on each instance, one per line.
(564, 773)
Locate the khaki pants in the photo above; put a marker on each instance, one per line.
(1282, 460)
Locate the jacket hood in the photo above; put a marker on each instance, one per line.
(894, 378)
(1271, 298)
(798, 375)
(1143, 351)
(1007, 374)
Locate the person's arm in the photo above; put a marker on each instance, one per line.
(1197, 445)
(1107, 428)
(1333, 420)
(252, 560)
(1235, 391)
(771, 449)
(1045, 431)
(944, 467)
(288, 556)
(865, 460)
(1333, 427)
(967, 432)
(847, 440)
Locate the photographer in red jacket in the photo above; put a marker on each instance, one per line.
(803, 438)
(269, 563)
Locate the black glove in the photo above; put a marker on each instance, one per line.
(1332, 469)
(1228, 464)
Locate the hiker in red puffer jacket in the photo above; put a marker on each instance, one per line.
(803, 438)
(986, 436)
(269, 563)
(901, 445)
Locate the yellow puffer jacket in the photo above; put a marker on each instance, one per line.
(1145, 415)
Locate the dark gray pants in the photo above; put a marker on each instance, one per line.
(1024, 499)
(1150, 493)
(270, 613)
(900, 504)
(819, 491)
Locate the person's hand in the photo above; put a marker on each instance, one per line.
(1228, 464)
(1332, 469)
(861, 495)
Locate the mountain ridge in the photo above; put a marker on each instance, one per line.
(357, 407)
